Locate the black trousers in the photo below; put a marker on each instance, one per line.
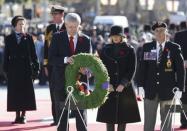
(184, 101)
(51, 89)
(183, 119)
(42, 76)
(59, 103)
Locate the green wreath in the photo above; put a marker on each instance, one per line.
(99, 71)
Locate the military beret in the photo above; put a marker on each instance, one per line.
(15, 20)
(57, 9)
(158, 25)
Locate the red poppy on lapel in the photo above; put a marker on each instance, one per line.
(166, 49)
(80, 39)
(24, 35)
(61, 30)
(121, 52)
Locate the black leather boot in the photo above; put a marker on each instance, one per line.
(110, 127)
(121, 127)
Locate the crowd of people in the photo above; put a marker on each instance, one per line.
(153, 61)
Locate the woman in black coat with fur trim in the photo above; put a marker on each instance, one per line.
(121, 106)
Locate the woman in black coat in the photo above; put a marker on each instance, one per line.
(19, 53)
(121, 106)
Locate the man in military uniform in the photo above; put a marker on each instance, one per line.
(58, 25)
(161, 69)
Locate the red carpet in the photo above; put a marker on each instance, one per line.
(39, 120)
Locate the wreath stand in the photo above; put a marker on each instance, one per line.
(172, 110)
(70, 97)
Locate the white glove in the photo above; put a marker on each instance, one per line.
(141, 92)
(178, 94)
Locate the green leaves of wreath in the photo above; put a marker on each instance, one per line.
(99, 95)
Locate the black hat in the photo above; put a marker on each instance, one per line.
(117, 30)
(158, 25)
(147, 27)
(57, 9)
(15, 20)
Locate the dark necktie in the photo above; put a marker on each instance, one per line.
(160, 53)
(58, 28)
(71, 44)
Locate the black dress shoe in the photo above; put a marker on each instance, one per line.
(183, 127)
(23, 120)
(53, 124)
(17, 120)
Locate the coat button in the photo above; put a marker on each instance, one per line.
(157, 83)
(158, 74)
(116, 73)
(115, 62)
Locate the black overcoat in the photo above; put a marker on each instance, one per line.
(20, 94)
(119, 60)
(58, 50)
(181, 39)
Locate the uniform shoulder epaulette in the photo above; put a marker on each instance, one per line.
(50, 27)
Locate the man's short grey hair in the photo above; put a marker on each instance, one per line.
(72, 17)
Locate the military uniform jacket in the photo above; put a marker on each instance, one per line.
(51, 29)
(20, 95)
(160, 79)
(122, 107)
(59, 49)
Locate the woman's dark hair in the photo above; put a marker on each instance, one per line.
(16, 19)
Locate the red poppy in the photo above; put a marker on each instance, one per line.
(166, 49)
(121, 52)
(24, 35)
(80, 39)
(61, 30)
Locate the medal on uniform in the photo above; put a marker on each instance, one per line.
(168, 63)
(150, 55)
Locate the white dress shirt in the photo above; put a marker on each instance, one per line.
(158, 47)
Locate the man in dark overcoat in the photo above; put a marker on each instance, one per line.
(181, 39)
(19, 53)
(57, 13)
(161, 69)
(63, 46)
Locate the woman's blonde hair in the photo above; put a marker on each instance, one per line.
(123, 39)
